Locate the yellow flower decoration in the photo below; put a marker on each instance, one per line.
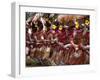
(54, 26)
(76, 25)
(87, 22)
(60, 27)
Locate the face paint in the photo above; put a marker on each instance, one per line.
(54, 26)
(60, 28)
(87, 22)
(76, 25)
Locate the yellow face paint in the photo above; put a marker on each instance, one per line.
(60, 28)
(76, 25)
(87, 22)
(54, 26)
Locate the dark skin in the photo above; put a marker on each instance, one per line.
(57, 41)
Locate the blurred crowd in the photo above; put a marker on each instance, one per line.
(57, 39)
